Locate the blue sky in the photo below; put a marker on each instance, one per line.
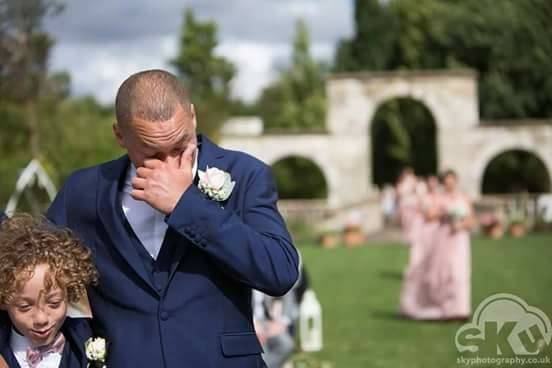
(101, 42)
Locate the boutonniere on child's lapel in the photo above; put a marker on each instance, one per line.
(96, 352)
(216, 184)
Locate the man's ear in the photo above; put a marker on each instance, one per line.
(118, 135)
(194, 116)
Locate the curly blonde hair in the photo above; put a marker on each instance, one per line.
(26, 242)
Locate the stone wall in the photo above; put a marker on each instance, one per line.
(344, 154)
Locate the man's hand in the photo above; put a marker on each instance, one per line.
(162, 183)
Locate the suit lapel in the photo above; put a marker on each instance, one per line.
(111, 215)
(76, 332)
(5, 348)
(209, 155)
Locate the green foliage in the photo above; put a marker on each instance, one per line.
(296, 101)
(376, 35)
(206, 76)
(299, 178)
(514, 172)
(507, 42)
(74, 133)
(403, 134)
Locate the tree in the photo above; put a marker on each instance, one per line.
(296, 101)
(403, 134)
(29, 92)
(205, 75)
(507, 42)
(24, 53)
(375, 39)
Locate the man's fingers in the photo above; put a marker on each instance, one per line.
(139, 183)
(143, 172)
(138, 194)
(173, 161)
(152, 163)
(187, 157)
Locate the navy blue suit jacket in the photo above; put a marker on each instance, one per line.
(200, 316)
(75, 330)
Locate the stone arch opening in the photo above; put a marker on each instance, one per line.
(403, 132)
(298, 177)
(515, 171)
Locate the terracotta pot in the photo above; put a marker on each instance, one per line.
(517, 230)
(353, 236)
(495, 231)
(328, 241)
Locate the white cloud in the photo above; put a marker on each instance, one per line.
(103, 42)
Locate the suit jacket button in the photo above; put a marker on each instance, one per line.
(164, 315)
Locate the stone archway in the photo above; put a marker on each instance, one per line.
(344, 153)
(403, 133)
(515, 171)
(484, 157)
(298, 177)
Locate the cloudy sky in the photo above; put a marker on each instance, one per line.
(103, 41)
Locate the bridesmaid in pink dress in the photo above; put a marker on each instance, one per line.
(416, 302)
(449, 269)
(408, 205)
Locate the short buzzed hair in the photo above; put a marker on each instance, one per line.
(151, 95)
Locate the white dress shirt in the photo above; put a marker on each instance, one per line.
(19, 345)
(147, 222)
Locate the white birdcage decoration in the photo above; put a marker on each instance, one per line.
(310, 322)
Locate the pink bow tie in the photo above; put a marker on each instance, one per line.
(35, 355)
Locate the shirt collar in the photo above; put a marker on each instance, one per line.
(19, 343)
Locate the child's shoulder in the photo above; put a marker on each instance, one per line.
(3, 363)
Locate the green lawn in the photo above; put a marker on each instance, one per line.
(359, 292)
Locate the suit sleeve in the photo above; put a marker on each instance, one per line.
(254, 248)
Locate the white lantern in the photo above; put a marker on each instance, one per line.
(310, 322)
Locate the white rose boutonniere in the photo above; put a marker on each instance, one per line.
(215, 183)
(96, 352)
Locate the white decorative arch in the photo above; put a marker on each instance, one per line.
(33, 173)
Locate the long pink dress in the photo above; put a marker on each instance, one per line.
(416, 301)
(449, 269)
(409, 209)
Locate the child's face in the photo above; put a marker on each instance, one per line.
(37, 313)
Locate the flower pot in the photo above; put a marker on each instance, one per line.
(328, 241)
(353, 236)
(517, 230)
(495, 231)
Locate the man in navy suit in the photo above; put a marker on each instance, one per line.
(177, 260)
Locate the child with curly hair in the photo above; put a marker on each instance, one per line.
(42, 271)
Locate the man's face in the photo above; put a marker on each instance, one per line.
(157, 140)
(37, 313)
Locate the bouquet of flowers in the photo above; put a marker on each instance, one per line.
(457, 211)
